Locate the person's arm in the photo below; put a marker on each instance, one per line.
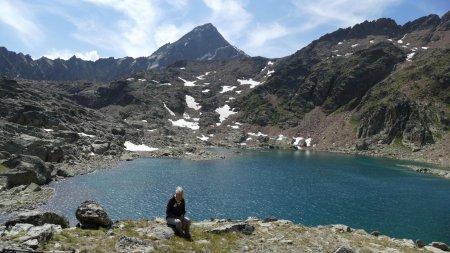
(183, 208)
(169, 212)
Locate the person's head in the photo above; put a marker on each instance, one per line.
(179, 192)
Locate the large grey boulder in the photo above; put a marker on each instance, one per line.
(237, 227)
(100, 148)
(157, 232)
(440, 245)
(133, 244)
(37, 218)
(27, 169)
(41, 233)
(91, 215)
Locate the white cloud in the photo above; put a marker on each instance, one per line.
(66, 54)
(259, 38)
(140, 29)
(17, 16)
(342, 13)
(229, 16)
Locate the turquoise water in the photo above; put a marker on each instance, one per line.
(305, 187)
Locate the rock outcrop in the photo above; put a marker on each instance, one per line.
(26, 169)
(91, 215)
(37, 218)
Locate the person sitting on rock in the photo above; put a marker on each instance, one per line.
(175, 212)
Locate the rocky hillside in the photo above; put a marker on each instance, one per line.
(202, 43)
(51, 233)
(377, 81)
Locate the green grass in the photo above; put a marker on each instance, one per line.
(99, 242)
(3, 169)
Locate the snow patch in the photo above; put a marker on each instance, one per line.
(340, 43)
(206, 91)
(238, 91)
(258, 134)
(372, 41)
(144, 120)
(250, 81)
(131, 79)
(227, 88)
(270, 63)
(183, 68)
(190, 101)
(133, 147)
(184, 123)
(224, 112)
(297, 140)
(400, 41)
(48, 130)
(203, 138)
(425, 48)
(270, 72)
(308, 142)
(168, 109)
(410, 56)
(142, 80)
(188, 83)
(165, 84)
(87, 135)
(355, 45)
(281, 137)
(390, 40)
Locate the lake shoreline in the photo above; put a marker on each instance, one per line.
(198, 153)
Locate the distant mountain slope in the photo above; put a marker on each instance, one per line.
(202, 43)
(394, 79)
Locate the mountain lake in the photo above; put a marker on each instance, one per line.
(312, 188)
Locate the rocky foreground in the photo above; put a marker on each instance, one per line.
(252, 235)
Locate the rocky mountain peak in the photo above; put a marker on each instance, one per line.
(202, 43)
(427, 22)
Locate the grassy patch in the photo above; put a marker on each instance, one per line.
(3, 169)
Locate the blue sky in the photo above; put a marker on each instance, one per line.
(91, 29)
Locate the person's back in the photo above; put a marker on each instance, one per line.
(175, 213)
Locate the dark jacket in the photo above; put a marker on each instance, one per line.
(174, 210)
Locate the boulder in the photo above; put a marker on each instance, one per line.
(91, 215)
(26, 170)
(375, 233)
(157, 232)
(118, 131)
(343, 249)
(68, 136)
(33, 188)
(239, 227)
(37, 218)
(100, 148)
(133, 244)
(19, 228)
(361, 145)
(41, 233)
(339, 228)
(440, 245)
